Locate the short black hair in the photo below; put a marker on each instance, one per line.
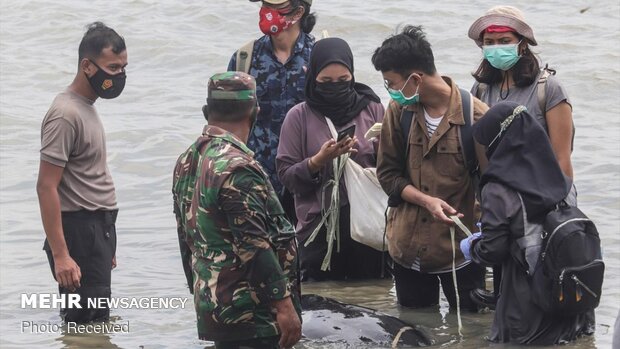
(404, 52)
(228, 110)
(98, 36)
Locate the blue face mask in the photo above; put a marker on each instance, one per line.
(502, 57)
(399, 96)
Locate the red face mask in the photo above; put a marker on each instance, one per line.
(272, 22)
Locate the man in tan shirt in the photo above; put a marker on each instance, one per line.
(423, 168)
(75, 188)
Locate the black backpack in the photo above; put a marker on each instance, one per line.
(568, 276)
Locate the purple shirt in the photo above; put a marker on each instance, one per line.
(303, 133)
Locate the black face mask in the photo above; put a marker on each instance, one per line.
(336, 93)
(107, 86)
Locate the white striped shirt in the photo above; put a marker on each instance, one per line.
(431, 123)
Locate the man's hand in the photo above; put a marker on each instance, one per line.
(114, 262)
(68, 274)
(288, 322)
(438, 208)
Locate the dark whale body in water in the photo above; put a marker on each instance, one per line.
(326, 320)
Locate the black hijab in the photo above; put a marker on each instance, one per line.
(343, 105)
(521, 158)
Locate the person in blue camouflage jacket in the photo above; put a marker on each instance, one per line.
(238, 250)
(278, 62)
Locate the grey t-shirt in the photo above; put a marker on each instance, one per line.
(72, 136)
(528, 96)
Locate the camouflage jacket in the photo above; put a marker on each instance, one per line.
(238, 250)
(279, 87)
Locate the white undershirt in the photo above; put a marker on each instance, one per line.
(431, 123)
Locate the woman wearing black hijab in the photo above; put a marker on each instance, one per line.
(305, 154)
(522, 182)
(341, 101)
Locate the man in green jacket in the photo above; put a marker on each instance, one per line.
(238, 250)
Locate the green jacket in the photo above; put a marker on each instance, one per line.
(238, 250)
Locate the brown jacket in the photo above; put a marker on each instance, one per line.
(434, 166)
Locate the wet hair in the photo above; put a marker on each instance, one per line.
(404, 52)
(308, 20)
(227, 110)
(98, 36)
(524, 72)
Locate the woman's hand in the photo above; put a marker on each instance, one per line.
(331, 150)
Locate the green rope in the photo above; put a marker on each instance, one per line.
(459, 224)
(331, 214)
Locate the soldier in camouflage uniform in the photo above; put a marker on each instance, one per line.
(238, 250)
(279, 63)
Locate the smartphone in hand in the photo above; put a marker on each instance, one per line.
(347, 132)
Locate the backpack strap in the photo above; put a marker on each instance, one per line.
(465, 132)
(540, 90)
(244, 57)
(531, 241)
(541, 94)
(482, 87)
(406, 117)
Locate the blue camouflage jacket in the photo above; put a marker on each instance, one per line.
(279, 87)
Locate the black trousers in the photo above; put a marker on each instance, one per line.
(91, 241)
(416, 290)
(355, 261)
(255, 343)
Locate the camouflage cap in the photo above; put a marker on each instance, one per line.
(278, 2)
(232, 85)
